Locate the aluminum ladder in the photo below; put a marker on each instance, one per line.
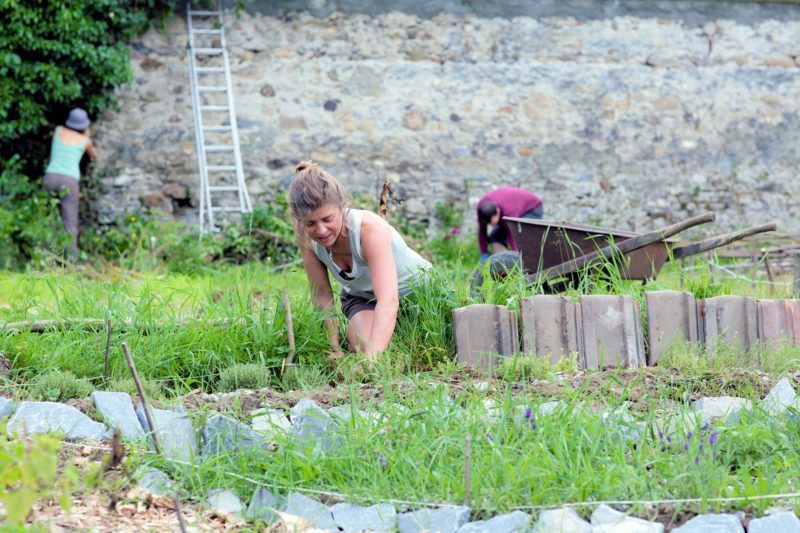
(223, 190)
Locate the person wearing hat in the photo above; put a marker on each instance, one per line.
(63, 170)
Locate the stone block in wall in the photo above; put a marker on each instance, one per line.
(483, 333)
(731, 320)
(612, 332)
(779, 322)
(551, 326)
(672, 316)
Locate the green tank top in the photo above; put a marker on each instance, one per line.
(65, 159)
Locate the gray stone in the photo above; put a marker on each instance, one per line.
(779, 398)
(441, 520)
(515, 522)
(785, 522)
(263, 505)
(174, 430)
(624, 426)
(6, 407)
(344, 414)
(312, 426)
(725, 407)
(270, 422)
(155, 481)
(32, 418)
(221, 434)
(712, 523)
(608, 520)
(564, 520)
(354, 518)
(116, 409)
(317, 514)
(224, 501)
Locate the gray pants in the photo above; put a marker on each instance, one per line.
(68, 205)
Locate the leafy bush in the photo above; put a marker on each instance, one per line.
(30, 473)
(244, 376)
(57, 386)
(55, 56)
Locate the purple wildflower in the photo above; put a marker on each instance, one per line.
(669, 439)
(489, 437)
(713, 438)
(660, 435)
(704, 427)
(697, 460)
(455, 231)
(689, 436)
(685, 446)
(384, 463)
(529, 413)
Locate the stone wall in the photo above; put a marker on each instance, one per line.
(627, 122)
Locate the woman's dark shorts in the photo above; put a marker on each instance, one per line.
(500, 233)
(354, 304)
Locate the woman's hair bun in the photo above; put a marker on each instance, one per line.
(305, 165)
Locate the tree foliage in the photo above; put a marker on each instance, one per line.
(55, 56)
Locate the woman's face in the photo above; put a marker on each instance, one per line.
(324, 224)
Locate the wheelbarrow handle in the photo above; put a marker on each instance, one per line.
(720, 240)
(628, 245)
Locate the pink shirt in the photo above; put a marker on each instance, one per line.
(513, 202)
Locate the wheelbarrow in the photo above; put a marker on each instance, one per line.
(551, 249)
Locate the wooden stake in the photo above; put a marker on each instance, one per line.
(106, 370)
(289, 329)
(770, 275)
(383, 205)
(467, 466)
(148, 416)
(177, 502)
(796, 284)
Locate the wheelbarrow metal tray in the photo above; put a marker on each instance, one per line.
(547, 243)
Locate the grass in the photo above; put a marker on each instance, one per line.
(416, 453)
(224, 329)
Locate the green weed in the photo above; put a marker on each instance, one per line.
(59, 385)
(244, 376)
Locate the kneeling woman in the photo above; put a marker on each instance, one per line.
(362, 252)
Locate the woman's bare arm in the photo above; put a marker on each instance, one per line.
(376, 246)
(321, 293)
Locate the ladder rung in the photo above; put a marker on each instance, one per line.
(220, 168)
(212, 31)
(219, 148)
(208, 51)
(227, 188)
(216, 128)
(212, 89)
(228, 209)
(213, 108)
(209, 70)
(203, 13)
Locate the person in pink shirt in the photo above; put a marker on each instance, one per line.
(499, 203)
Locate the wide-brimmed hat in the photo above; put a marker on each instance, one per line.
(78, 119)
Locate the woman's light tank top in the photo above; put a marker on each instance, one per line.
(410, 265)
(65, 159)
